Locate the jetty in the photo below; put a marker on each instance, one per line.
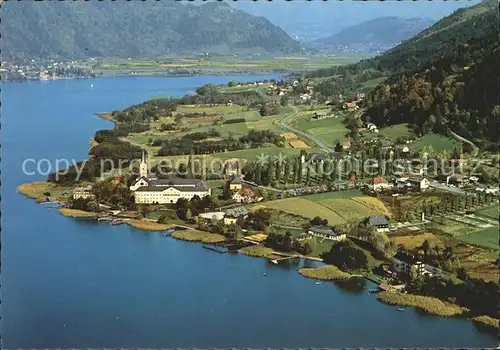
(220, 250)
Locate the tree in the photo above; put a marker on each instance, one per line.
(162, 219)
(347, 255)
(307, 249)
(426, 247)
(144, 210)
(338, 147)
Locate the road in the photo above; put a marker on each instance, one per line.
(443, 187)
(474, 147)
(283, 122)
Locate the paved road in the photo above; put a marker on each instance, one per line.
(474, 147)
(283, 122)
(443, 187)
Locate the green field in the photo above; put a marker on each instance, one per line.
(487, 238)
(437, 142)
(328, 130)
(492, 212)
(336, 207)
(349, 205)
(222, 63)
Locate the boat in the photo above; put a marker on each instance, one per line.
(274, 261)
(373, 290)
(116, 222)
(400, 309)
(318, 282)
(168, 232)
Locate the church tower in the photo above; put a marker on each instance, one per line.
(143, 167)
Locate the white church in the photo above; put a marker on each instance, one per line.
(149, 189)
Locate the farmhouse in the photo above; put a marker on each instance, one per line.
(371, 127)
(346, 144)
(403, 262)
(379, 222)
(149, 189)
(419, 182)
(379, 184)
(326, 233)
(320, 115)
(245, 195)
(236, 212)
(351, 106)
(216, 215)
(303, 237)
(235, 182)
(83, 192)
(456, 179)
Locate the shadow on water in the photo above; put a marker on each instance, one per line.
(485, 329)
(352, 286)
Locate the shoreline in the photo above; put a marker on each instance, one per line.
(156, 75)
(428, 305)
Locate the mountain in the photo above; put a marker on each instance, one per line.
(379, 34)
(445, 79)
(134, 29)
(310, 20)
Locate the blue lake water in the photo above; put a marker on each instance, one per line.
(68, 283)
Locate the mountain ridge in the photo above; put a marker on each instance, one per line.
(135, 29)
(377, 34)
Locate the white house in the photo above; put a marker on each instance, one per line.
(83, 192)
(326, 233)
(404, 261)
(150, 190)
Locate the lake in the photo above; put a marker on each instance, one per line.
(69, 283)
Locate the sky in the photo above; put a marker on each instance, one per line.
(313, 19)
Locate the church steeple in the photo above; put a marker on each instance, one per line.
(143, 167)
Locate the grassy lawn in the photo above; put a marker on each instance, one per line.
(319, 246)
(487, 238)
(411, 241)
(327, 273)
(438, 142)
(430, 305)
(492, 212)
(328, 130)
(36, 190)
(148, 225)
(304, 207)
(351, 204)
(372, 83)
(198, 236)
(75, 213)
(229, 62)
(394, 131)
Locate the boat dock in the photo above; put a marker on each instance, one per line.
(220, 250)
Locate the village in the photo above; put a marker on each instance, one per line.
(323, 185)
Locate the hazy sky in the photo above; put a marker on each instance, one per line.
(331, 16)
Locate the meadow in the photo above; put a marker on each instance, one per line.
(491, 212)
(437, 142)
(330, 130)
(393, 132)
(336, 207)
(349, 205)
(226, 63)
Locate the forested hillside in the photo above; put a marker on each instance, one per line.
(76, 29)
